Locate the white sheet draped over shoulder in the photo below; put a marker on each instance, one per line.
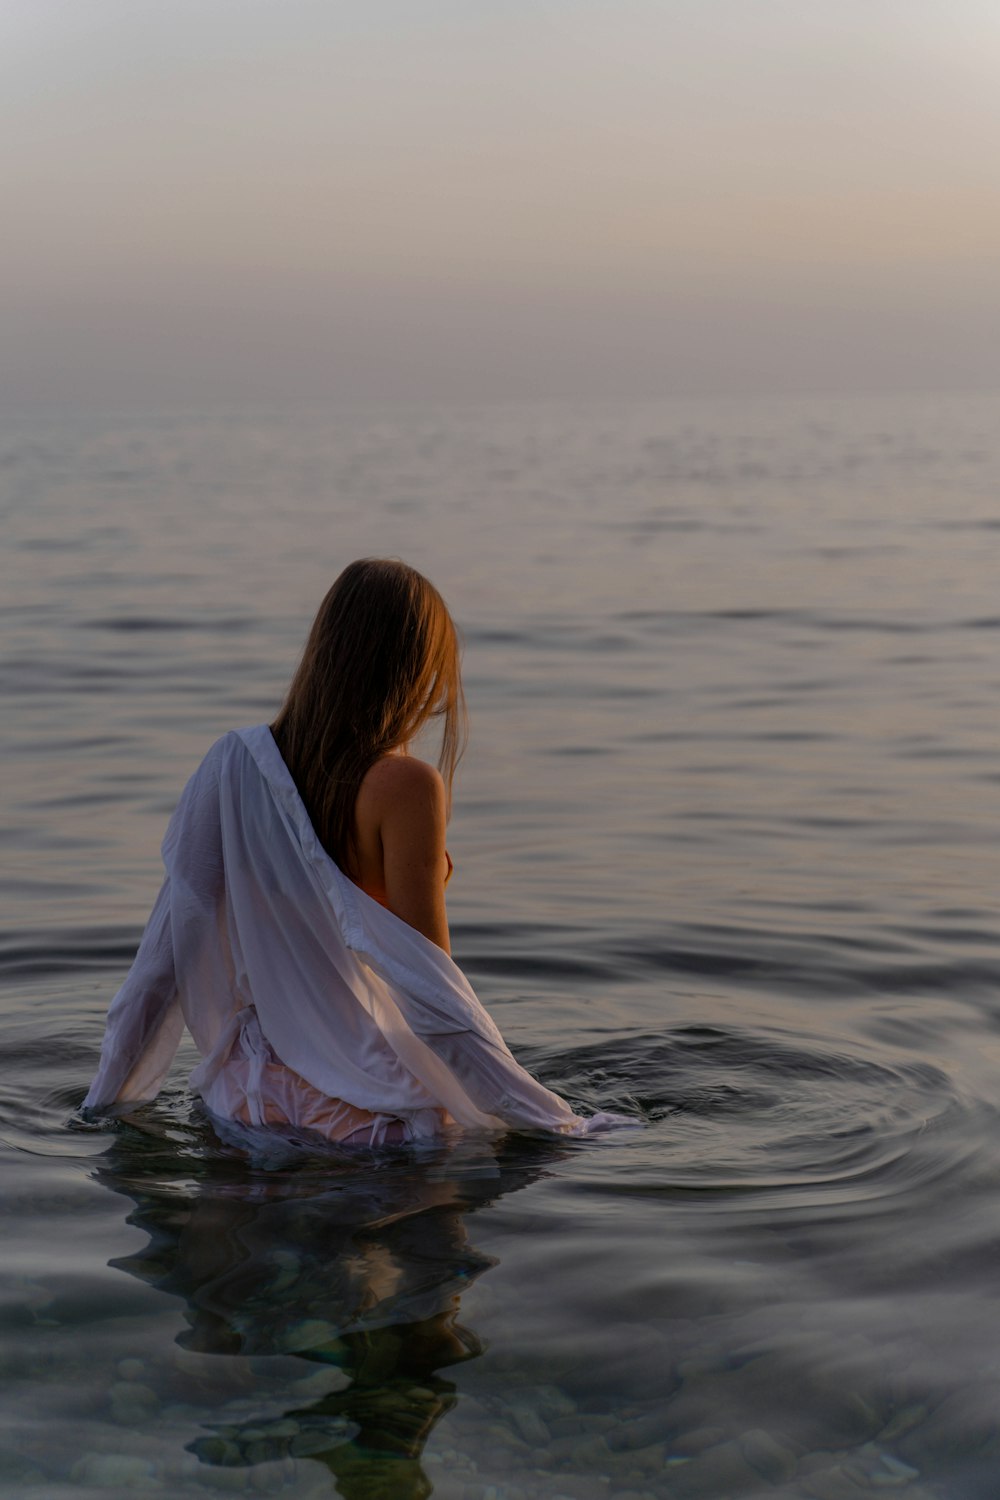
(256, 935)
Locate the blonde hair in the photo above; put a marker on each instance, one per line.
(381, 659)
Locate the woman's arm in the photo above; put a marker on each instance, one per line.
(403, 800)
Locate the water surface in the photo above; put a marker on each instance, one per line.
(725, 841)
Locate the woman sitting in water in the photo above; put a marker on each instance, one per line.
(301, 931)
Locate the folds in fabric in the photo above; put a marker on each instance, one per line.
(266, 951)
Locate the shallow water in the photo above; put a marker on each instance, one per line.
(725, 845)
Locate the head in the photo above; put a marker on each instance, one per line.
(381, 661)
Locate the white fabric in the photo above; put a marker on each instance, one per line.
(276, 961)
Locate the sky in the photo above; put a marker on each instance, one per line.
(261, 200)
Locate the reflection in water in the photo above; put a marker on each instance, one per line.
(357, 1263)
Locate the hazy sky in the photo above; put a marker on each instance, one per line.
(260, 199)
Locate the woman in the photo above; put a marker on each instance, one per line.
(301, 931)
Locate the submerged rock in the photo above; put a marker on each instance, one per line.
(697, 1440)
(963, 1425)
(722, 1470)
(114, 1471)
(529, 1424)
(229, 1481)
(586, 1486)
(550, 1402)
(769, 1383)
(834, 1483)
(641, 1432)
(898, 1471)
(321, 1382)
(218, 1450)
(772, 1460)
(903, 1422)
(132, 1403)
(267, 1479)
(591, 1453)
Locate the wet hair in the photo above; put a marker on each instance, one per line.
(381, 659)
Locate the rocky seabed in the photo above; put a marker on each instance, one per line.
(133, 1433)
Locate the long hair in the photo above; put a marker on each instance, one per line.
(381, 659)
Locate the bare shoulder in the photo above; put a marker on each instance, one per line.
(402, 774)
(401, 782)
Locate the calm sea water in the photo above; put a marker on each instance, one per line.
(726, 860)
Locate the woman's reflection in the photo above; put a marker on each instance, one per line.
(360, 1264)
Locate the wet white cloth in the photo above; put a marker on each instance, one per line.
(296, 985)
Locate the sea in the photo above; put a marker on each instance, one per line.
(726, 862)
